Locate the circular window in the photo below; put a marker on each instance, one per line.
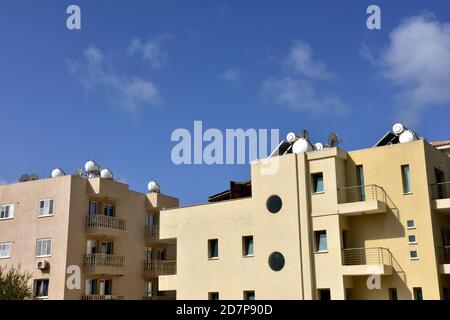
(274, 204)
(276, 261)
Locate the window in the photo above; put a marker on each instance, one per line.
(105, 287)
(148, 289)
(412, 239)
(90, 287)
(108, 210)
(46, 207)
(213, 249)
(360, 182)
(418, 294)
(393, 295)
(249, 295)
(321, 241)
(276, 261)
(93, 206)
(445, 293)
(5, 250)
(324, 294)
(41, 288)
(406, 179)
(247, 243)
(348, 293)
(161, 254)
(148, 253)
(317, 179)
(43, 247)
(274, 204)
(410, 224)
(6, 211)
(413, 255)
(213, 296)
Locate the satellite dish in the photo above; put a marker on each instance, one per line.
(318, 146)
(24, 178)
(78, 172)
(291, 137)
(33, 177)
(332, 140)
(153, 187)
(304, 134)
(398, 128)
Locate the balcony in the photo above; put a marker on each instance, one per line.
(444, 256)
(155, 268)
(360, 200)
(440, 193)
(105, 226)
(104, 264)
(98, 297)
(152, 235)
(366, 261)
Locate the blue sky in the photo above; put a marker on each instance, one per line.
(115, 90)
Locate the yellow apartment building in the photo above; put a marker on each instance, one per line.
(321, 223)
(86, 237)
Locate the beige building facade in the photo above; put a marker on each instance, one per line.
(328, 224)
(86, 238)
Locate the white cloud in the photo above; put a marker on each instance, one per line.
(231, 75)
(301, 95)
(300, 61)
(96, 71)
(297, 89)
(150, 51)
(417, 60)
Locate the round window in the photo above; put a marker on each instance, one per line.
(276, 261)
(274, 204)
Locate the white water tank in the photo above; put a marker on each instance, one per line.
(153, 187)
(106, 174)
(91, 166)
(58, 173)
(302, 145)
(407, 136)
(318, 146)
(398, 128)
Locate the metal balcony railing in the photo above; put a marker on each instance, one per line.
(98, 297)
(366, 256)
(160, 267)
(102, 221)
(440, 190)
(104, 260)
(444, 255)
(361, 193)
(152, 231)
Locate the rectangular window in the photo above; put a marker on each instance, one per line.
(213, 249)
(93, 207)
(105, 287)
(317, 179)
(108, 210)
(249, 295)
(149, 289)
(213, 296)
(6, 211)
(410, 224)
(321, 241)
(5, 250)
(324, 294)
(406, 179)
(412, 239)
(161, 254)
(247, 243)
(418, 294)
(90, 287)
(413, 255)
(46, 207)
(360, 178)
(41, 288)
(43, 247)
(393, 295)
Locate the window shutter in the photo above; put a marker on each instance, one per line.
(11, 211)
(39, 248)
(50, 211)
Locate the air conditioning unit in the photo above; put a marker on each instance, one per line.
(43, 265)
